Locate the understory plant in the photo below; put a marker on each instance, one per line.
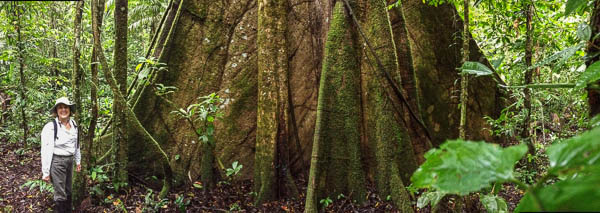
(462, 167)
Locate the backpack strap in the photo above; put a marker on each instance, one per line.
(75, 125)
(55, 130)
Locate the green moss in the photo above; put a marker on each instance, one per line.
(386, 133)
(272, 96)
(340, 136)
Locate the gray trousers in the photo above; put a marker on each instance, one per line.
(61, 173)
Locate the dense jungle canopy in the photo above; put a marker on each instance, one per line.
(306, 105)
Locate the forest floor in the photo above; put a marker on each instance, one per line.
(22, 165)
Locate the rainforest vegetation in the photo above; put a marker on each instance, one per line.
(306, 105)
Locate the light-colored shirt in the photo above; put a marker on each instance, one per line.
(65, 144)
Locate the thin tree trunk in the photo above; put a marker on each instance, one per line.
(464, 81)
(120, 127)
(23, 83)
(55, 71)
(79, 186)
(94, 88)
(528, 77)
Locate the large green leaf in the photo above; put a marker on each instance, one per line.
(563, 55)
(573, 5)
(574, 194)
(462, 167)
(591, 74)
(476, 68)
(430, 197)
(584, 32)
(574, 154)
(494, 204)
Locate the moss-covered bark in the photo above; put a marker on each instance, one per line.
(120, 127)
(386, 131)
(336, 166)
(420, 140)
(99, 5)
(431, 32)
(199, 52)
(272, 130)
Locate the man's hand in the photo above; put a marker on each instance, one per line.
(47, 178)
(78, 169)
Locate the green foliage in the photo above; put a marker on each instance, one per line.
(462, 167)
(475, 68)
(235, 207)
(152, 203)
(575, 154)
(584, 32)
(100, 180)
(433, 197)
(573, 5)
(234, 170)
(595, 121)
(493, 204)
(181, 203)
(563, 55)
(206, 111)
(40, 184)
(325, 202)
(579, 193)
(591, 74)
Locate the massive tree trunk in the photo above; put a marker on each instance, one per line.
(120, 134)
(385, 129)
(336, 159)
(594, 94)
(420, 135)
(211, 46)
(436, 56)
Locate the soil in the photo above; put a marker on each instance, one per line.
(20, 165)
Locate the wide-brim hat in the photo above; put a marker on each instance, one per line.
(65, 101)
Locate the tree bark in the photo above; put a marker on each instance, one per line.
(528, 76)
(23, 80)
(120, 154)
(592, 48)
(421, 142)
(386, 131)
(79, 185)
(99, 6)
(213, 48)
(137, 126)
(272, 133)
(431, 33)
(336, 166)
(464, 79)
